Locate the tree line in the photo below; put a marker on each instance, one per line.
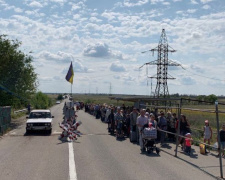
(18, 79)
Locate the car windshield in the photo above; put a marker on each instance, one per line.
(36, 115)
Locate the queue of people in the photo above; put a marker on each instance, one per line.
(129, 122)
(124, 120)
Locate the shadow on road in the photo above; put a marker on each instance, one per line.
(194, 165)
(166, 145)
(38, 133)
(152, 154)
(66, 141)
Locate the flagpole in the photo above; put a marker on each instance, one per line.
(71, 89)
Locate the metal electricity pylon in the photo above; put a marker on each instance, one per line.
(162, 63)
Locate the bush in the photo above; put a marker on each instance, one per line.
(60, 97)
(41, 101)
(89, 101)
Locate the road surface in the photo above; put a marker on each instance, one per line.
(94, 156)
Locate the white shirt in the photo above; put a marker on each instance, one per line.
(142, 120)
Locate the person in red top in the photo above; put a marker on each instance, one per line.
(188, 141)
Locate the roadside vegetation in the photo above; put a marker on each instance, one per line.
(41, 101)
(18, 80)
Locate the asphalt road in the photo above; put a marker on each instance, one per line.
(97, 156)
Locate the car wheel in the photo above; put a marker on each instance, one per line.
(28, 131)
(49, 131)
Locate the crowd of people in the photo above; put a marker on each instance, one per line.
(124, 120)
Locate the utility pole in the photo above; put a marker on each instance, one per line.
(151, 93)
(162, 63)
(110, 89)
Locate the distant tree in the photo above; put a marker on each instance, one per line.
(17, 76)
(211, 98)
(41, 101)
(60, 97)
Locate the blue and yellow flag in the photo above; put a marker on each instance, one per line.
(70, 74)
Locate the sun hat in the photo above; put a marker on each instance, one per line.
(206, 121)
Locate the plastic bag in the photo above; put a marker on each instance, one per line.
(215, 146)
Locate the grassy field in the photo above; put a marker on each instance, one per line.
(96, 99)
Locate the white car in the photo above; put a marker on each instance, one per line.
(40, 119)
(58, 102)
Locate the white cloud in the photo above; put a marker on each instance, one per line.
(187, 81)
(179, 12)
(79, 67)
(194, 2)
(191, 10)
(128, 77)
(156, 1)
(35, 4)
(94, 19)
(59, 57)
(206, 7)
(102, 50)
(117, 67)
(76, 16)
(129, 3)
(197, 68)
(193, 37)
(166, 3)
(110, 15)
(18, 10)
(206, 1)
(75, 7)
(116, 77)
(97, 50)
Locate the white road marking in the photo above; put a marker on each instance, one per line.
(72, 166)
(56, 133)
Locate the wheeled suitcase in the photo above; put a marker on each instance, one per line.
(133, 136)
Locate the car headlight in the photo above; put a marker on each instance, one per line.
(29, 124)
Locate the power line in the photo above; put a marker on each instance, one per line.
(204, 76)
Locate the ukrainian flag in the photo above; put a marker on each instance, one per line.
(70, 74)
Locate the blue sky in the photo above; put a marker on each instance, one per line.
(104, 40)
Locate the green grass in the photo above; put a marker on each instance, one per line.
(17, 115)
(100, 99)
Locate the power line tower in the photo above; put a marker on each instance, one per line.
(162, 63)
